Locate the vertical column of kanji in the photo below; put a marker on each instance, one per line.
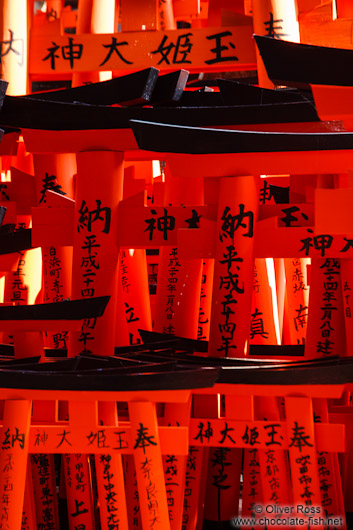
(234, 262)
(346, 181)
(203, 330)
(325, 330)
(276, 19)
(16, 288)
(302, 456)
(263, 317)
(18, 284)
(13, 462)
(347, 298)
(77, 468)
(179, 279)
(148, 464)
(78, 491)
(224, 469)
(297, 300)
(203, 406)
(152, 264)
(275, 477)
(14, 41)
(329, 472)
(110, 478)
(132, 494)
(122, 334)
(95, 250)
(176, 414)
(44, 486)
(134, 291)
(55, 173)
(252, 487)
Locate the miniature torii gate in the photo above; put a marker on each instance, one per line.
(77, 436)
(277, 234)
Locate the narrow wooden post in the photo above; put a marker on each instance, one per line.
(149, 465)
(297, 299)
(276, 19)
(325, 331)
(179, 280)
(110, 478)
(175, 466)
(29, 520)
(233, 273)
(77, 471)
(329, 473)
(302, 452)
(13, 461)
(14, 41)
(134, 293)
(203, 330)
(95, 249)
(55, 172)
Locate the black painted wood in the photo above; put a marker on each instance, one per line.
(152, 337)
(235, 93)
(109, 380)
(135, 88)
(24, 112)
(14, 241)
(169, 87)
(3, 87)
(195, 140)
(197, 98)
(66, 310)
(298, 65)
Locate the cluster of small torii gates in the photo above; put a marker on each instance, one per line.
(240, 239)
